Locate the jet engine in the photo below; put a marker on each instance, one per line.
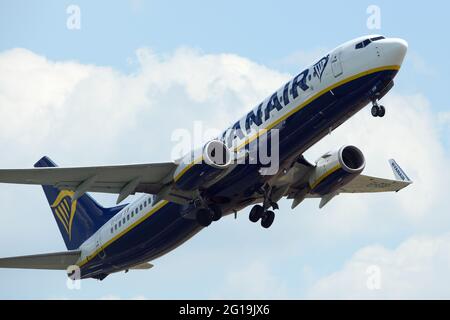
(336, 169)
(203, 166)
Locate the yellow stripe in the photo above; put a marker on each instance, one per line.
(163, 203)
(130, 227)
(63, 208)
(66, 206)
(72, 215)
(326, 174)
(295, 110)
(61, 195)
(61, 219)
(66, 218)
(198, 160)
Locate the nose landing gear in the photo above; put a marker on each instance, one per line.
(377, 110)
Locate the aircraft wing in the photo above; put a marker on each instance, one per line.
(367, 184)
(52, 261)
(121, 179)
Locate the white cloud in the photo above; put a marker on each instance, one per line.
(420, 65)
(254, 281)
(116, 297)
(416, 269)
(84, 111)
(302, 58)
(444, 118)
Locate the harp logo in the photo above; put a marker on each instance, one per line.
(320, 66)
(64, 209)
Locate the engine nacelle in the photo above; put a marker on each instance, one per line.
(203, 166)
(336, 169)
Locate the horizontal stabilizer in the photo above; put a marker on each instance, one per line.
(51, 261)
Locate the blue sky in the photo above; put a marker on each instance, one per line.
(126, 47)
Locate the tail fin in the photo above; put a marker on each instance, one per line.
(77, 220)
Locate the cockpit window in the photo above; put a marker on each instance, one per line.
(362, 44)
(377, 38)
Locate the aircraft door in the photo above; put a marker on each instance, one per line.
(336, 64)
(98, 246)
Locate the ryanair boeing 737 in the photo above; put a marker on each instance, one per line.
(182, 197)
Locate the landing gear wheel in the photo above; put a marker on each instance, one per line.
(256, 213)
(204, 217)
(216, 212)
(375, 110)
(267, 219)
(381, 111)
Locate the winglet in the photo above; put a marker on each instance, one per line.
(398, 172)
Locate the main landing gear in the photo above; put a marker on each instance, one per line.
(266, 216)
(205, 216)
(377, 110)
(262, 212)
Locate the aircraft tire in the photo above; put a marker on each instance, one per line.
(256, 213)
(216, 212)
(204, 217)
(267, 219)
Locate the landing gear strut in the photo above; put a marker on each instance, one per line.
(377, 110)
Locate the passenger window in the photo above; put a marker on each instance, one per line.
(132, 214)
(112, 229)
(123, 220)
(120, 224)
(140, 207)
(128, 217)
(145, 203)
(115, 227)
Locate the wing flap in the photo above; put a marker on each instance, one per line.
(50, 261)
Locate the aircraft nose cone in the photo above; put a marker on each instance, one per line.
(396, 49)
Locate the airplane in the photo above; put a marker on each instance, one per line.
(180, 198)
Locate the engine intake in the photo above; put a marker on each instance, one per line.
(196, 171)
(351, 159)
